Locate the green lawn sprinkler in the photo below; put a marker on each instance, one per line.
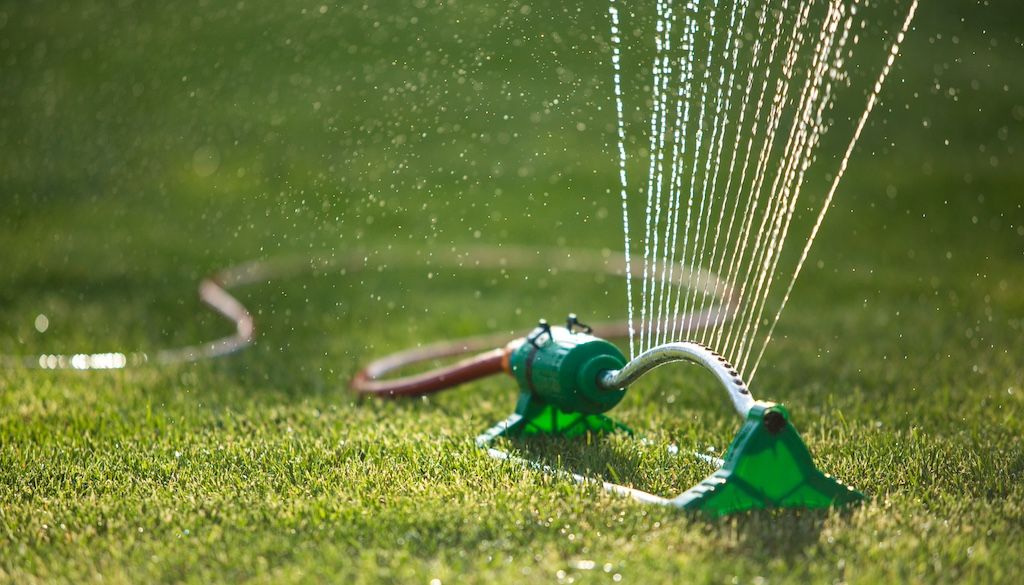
(568, 378)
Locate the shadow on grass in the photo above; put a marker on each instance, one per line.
(757, 534)
(590, 456)
(771, 534)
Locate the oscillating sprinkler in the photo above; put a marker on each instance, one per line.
(569, 378)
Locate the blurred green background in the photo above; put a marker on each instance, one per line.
(143, 146)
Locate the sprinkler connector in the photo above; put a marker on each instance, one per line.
(562, 368)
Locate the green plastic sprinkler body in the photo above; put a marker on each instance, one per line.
(562, 367)
(568, 378)
(558, 370)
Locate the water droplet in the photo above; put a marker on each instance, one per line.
(205, 161)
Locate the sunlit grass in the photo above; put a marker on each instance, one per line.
(898, 356)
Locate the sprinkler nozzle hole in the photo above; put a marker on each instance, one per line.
(774, 421)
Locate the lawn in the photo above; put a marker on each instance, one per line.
(142, 147)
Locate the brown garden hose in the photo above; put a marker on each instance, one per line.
(369, 381)
(491, 350)
(491, 357)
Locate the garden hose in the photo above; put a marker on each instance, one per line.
(479, 366)
(215, 292)
(492, 352)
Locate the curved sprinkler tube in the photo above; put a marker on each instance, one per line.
(688, 351)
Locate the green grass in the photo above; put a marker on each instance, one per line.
(362, 128)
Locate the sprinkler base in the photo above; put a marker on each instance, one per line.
(535, 416)
(767, 466)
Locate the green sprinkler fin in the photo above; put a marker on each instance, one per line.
(766, 466)
(536, 416)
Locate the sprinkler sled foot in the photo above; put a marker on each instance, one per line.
(534, 416)
(766, 466)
